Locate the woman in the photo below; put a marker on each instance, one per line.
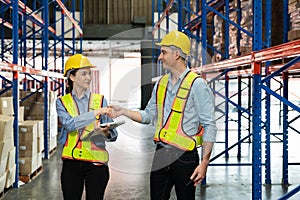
(84, 155)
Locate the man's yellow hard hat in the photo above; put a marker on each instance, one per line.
(177, 39)
(75, 62)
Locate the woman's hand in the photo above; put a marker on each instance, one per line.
(102, 130)
(100, 111)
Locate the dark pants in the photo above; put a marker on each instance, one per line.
(173, 167)
(77, 174)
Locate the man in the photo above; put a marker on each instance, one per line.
(183, 106)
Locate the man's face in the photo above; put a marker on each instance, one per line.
(168, 57)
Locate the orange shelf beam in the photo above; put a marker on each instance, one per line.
(290, 49)
(29, 70)
(7, 24)
(26, 10)
(164, 14)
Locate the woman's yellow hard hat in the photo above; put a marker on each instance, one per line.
(75, 62)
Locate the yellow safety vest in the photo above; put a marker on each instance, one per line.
(171, 132)
(76, 149)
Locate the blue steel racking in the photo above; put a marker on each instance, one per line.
(255, 66)
(31, 23)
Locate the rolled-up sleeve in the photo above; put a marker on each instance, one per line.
(204, 103)
(150, 112)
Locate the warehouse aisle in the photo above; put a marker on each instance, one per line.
(130, 161)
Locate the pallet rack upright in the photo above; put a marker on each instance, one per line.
(29, 23)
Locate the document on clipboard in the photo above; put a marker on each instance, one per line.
(112, 125)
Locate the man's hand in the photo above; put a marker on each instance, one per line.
(199, 173)
(115, 111)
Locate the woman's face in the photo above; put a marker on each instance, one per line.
(82, 78)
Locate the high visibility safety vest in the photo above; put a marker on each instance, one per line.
(76, 149)
(171, 132)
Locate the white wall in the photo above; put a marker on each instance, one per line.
(120, 79)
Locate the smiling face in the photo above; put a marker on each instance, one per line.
(168, 57)
(82, 78)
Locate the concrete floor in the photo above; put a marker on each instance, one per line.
(130, 161)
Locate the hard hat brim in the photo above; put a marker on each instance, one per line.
(67, 73)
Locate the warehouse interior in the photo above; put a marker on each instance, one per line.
(247, 51)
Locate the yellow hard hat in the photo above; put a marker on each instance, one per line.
(177, 39)
(75, 62)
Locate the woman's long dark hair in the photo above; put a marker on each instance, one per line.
(69, 86)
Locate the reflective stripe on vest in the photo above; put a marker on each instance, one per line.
(76, 149)
(171, 132)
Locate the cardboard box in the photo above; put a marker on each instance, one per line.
(6, 124)
(21, 113)
(40, 137)
(27, 165)
(293, 35)
(33, 117)
(53, 142)
(27, 131)
(5, 147)
(53, 120)
(40, 144)
(3, 163)
(28, 149)
(39, 161)
(11, 158)
(11, 176)
(40, 128)
(33, 108)
(2, 181)
(6, 106)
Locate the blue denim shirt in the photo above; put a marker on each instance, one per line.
(200, 108)
(82, 120)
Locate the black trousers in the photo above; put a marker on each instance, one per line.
(173, 167)
(77, 174)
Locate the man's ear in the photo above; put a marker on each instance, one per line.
(177, 55)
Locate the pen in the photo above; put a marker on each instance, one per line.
(191, 181)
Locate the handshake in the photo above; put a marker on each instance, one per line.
(113, 111)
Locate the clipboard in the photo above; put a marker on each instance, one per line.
(112, 125)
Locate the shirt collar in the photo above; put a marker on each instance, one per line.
(182, 75)
(86, 94)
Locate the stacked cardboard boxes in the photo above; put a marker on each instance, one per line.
(7, 148)
(34, 110)
(30, 155)
(294, 12)
(31, 134)
(246, 23)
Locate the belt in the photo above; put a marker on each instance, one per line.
(81, 161)
(171, 149)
